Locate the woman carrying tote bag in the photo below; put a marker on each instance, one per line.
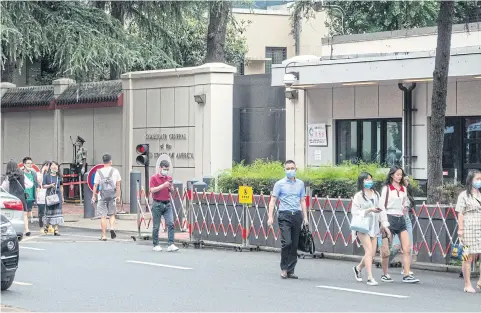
(365, 224)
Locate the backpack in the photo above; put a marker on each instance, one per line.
(107, 186)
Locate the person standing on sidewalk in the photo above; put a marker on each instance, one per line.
(30, 192)
(53, 213)
(160, 187)
(41, 194)
(107, 181)
(292, 211)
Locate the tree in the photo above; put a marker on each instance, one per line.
(219, 14)
(438, 100)
(375, 16)
(99, 40)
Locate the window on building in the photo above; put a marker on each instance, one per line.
(462, 147)
(371, 141)
(277, 55)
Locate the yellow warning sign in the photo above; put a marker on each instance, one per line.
(245, 195)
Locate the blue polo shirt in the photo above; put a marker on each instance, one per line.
(289, 192)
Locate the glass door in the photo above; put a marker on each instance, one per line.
(472, 144)
(452, 151)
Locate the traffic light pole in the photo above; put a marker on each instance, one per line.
(144, 159)
(147, 179)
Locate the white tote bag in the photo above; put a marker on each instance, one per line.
(360, 223)
(41, 195)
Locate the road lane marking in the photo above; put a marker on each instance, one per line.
(30, 248)
(29, 238)
(81, 236)
(364, 292)
(161, 265)
(22, 284)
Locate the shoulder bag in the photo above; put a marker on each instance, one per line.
(52, 198)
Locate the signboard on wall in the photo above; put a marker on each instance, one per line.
(317, 135)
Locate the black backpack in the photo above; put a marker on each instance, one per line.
(306, 241)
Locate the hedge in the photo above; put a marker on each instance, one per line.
(332, 181)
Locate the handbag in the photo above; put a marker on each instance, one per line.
(53, 198)
(306, 241)
(360, 223)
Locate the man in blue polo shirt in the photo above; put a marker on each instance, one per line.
(292, 211)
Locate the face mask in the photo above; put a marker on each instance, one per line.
(291, 173)
(477, 184)
(53, 171)
(368, 184)
(165, 172)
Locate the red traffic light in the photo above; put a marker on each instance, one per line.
(142, 148)
(143, 158)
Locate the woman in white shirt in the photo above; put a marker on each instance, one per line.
(365, 205)
(394, 202)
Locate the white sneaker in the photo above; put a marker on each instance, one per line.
(372, 282)
(157, 249)
(172, 248)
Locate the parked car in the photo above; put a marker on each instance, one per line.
(12, 208)
(10, 252)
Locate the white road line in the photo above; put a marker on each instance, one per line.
(81, 236)
(30, 248)
(364, 292)
(160, 265)
(29, 238)
(22, 284)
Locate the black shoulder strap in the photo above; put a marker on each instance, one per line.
(111, 172)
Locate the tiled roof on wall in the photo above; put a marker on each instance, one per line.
(22, 97)
(97, 92)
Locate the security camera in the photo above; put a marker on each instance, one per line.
(291, 78)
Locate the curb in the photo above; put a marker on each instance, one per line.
(326, 255)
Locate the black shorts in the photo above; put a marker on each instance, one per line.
(397, 224)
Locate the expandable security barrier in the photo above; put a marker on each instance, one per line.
(219, 217)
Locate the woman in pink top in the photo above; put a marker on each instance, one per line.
(394, 202)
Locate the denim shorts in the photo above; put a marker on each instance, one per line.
(397, 224)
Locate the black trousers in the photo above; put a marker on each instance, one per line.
(41, 214)
(290, 224)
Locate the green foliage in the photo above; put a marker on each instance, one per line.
(376, 16)
(335, 181)
(450, 192)
(82, 39)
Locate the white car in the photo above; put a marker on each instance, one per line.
(12, 208)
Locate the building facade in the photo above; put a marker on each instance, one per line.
(183, 113)
(370, 100)
(270, 39)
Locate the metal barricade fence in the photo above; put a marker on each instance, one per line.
(219, 217)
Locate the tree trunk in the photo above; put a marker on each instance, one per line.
(438, 101)
(117, 12)
(8, 71)
(219, 12)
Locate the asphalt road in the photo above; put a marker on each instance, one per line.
(76, 272)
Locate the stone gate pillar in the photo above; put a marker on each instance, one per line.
(186, 113)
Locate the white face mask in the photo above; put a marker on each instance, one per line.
(165, 172)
